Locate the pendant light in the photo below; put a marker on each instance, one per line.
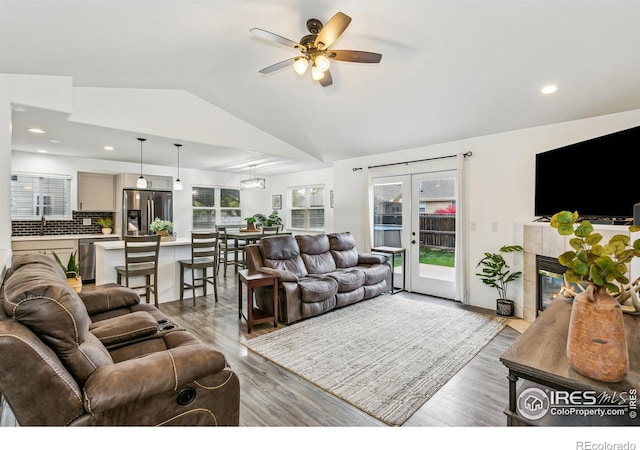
(177, 186)
(253, 182)
(141, 183)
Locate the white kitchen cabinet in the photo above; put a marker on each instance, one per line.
(62, 247)
(158, 182)
(96, 192)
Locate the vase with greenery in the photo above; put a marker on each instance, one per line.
(596, 343)
(159, 226)
(497, 273)
(251, 222)
(71, 270)
(106, 223)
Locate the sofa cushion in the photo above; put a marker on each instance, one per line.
(314, 250)
(348, 280)
(282, 252)
(47, 305)
(317, 289)
(375, 273)
(343, 249)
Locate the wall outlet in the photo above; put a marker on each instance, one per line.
(86, 221)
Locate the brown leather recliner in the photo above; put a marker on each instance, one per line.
(131, 367)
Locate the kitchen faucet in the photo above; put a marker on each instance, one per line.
(43, 222)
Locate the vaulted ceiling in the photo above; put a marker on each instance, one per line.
(450, 70)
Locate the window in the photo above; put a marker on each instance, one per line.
(307, 207)
(34, 196)
(213, 205)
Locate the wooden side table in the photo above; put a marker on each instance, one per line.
(394, 251)
(252, 280)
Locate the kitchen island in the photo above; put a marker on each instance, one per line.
(110, 254)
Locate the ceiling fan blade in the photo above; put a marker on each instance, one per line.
(326, 80)
(354, 56)
(274, 37)
(278, 66)
(332, 30)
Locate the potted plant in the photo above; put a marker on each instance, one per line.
(71, 270)
(106, 223)
(163, 227)
(268, 221)
(497, 274)
(596, 343)
(251, 222)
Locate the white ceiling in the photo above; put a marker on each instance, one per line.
(450, 70)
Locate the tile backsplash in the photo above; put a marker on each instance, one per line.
(57, 227)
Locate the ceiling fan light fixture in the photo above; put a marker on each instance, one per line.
(322, 62)
(316, 73)
(300, 65)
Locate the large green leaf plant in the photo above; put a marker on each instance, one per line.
(591, 261)
(496, 272)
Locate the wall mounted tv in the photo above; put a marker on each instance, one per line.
(599, 178)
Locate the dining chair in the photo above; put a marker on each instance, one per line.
(270, 230)
(228, 246)
(141, 260)
(204, 256)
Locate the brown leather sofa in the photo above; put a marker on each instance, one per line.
(317, 273)
(102, 358)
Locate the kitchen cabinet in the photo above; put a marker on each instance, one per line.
(96, 192)
(62, 247)
(156, 182)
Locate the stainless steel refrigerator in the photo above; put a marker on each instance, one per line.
(141, 207)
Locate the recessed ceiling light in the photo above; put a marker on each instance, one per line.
(108, 148)
(549, 89)
(42, 151)
(36, 130)
(54, 141)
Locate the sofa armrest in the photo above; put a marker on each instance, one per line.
(284, 275)
(136, 379)
(372, 258)
(129, 327)
(108, 297)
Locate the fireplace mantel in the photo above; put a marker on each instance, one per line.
(540, 239)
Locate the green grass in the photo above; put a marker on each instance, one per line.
(437, 257)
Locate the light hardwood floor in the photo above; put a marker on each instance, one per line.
(271, 396)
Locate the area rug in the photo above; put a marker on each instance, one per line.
(386, 356)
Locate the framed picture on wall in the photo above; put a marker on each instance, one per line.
(276, 202)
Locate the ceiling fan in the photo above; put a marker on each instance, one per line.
(315, 50)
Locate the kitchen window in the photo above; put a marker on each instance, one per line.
(306, 205)
(215, 205)
(34, 196)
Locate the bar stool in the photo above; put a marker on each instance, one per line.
(141, 260)
(227, 246)
(204, 256)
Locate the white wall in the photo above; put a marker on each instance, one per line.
(32, 90)
(500, 183)
(260, 201)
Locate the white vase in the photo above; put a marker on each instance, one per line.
(106, 231)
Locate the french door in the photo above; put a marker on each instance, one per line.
(418, 212)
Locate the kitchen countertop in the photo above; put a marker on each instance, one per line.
(119, 245)
(62, 236)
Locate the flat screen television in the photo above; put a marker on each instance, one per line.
(599, 178)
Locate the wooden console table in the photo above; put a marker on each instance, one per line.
(539, 355)
(252, 280)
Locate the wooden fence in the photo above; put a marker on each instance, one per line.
(438, 231)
